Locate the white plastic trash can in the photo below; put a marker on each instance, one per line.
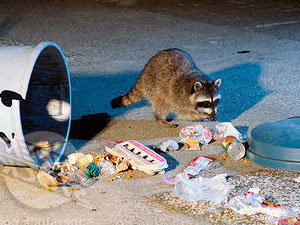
(35, 104)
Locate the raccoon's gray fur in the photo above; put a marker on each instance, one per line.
(171, 82)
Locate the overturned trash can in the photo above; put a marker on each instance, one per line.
(35, 104)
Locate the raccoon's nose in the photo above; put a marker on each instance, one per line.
(213, 112)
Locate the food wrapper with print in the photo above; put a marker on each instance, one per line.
(197, 165)
(200, 133)
(227, 129)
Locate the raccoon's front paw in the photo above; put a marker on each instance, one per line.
(166, 123)
(213, 118)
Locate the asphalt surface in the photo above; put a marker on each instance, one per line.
(253, 46)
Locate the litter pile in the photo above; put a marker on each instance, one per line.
(80, 169)
(191, 186)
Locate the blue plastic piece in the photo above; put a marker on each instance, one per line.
(276, 145)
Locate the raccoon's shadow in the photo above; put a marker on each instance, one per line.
(240, 90)
(92, 93)
(91, 96)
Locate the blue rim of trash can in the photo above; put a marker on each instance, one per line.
(261, 160)
(38, 50)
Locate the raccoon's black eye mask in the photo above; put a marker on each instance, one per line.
(207, 104)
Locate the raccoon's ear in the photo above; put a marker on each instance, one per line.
(218, 82)
(197, 86)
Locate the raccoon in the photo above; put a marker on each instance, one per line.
(171, 81)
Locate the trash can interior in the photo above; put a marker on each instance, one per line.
(276, 145)
(46, 110)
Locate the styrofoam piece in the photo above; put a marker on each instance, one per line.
(35, 103)
(139, 156)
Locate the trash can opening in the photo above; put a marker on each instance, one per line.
(46, 110)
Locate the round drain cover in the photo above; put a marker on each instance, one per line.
(276, 145)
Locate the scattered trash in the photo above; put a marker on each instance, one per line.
(169, 180)
(251, 203)
(107, 168)
(44, 147)
(191, 144)
(46, 166)
(197, 165)
(297, 179)
(227, 129)
(109, 143)
(84, 160)
(195, 135)
(122, 165)
(215, 189)
(72, 158)
(79, 168)
(248, 203)
(47, 180)
(291, 220)
(91, 170)
(233, 147)
(169, 145)
(139, 156)
(77, 178)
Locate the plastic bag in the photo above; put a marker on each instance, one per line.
(169, 145)
(107, 168)
(251, 203)
(281, 215)
(248, 203)
(77, 178)
(214, 189)
(290, 220)
(227, 129)
(199, 132)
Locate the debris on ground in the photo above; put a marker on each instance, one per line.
(276, 206)
(234, 148)
(195, 135)
(91, 170)
(139, 157)
(197, 165)
(107, 168)
(226, 129)
(169, 145)
(213, 189)
(47, 180)
(251, 202)
(80, 169)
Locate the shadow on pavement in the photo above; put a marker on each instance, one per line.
(240, 90)
(88, 126)
(92, 93)
(7, 23)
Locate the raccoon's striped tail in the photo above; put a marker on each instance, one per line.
(133, 96)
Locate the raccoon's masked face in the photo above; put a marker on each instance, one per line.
(206, 97)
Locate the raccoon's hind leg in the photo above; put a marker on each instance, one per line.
(133, 96)
(160, 113)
